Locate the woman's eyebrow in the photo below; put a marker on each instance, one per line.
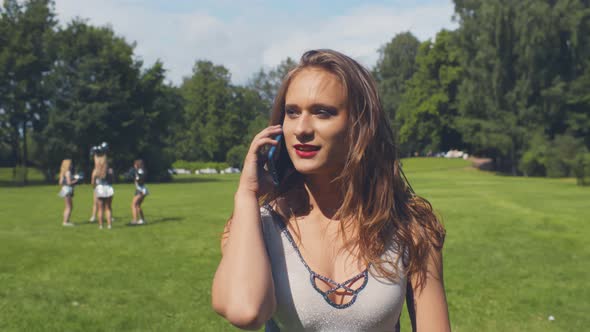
(313, 106)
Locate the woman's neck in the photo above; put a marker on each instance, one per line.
(325, 195)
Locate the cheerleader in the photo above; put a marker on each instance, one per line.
(67, 181)
(93, 155)
(140, 192)
(102, 179)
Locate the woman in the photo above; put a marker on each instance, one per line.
(94, 198)
(336, 244)
(102, 179)
(67, 181)
(141, 192)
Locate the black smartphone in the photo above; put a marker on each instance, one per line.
(273, 157)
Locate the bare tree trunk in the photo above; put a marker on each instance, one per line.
(15, 151)
(25, 157)
(512, 161)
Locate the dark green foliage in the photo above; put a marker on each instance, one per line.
(26, 29)
(562, 156)
(582, 168)
(220, 119)
(159, 110)
(235, 156)
(552, 158)
(94, 81)
(428, 111)
(192, 166)
(511, 83)
(267, 84)
(534, 160)
(100, 94)
(524, 67)
(396, 65)
(216, 113)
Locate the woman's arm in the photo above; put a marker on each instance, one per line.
(243, 289)
(69, 180)
(430, 302)
(92, 178)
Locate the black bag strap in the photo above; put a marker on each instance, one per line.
(410, 304)
(411, 308)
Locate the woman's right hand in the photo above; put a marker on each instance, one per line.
(254, 178)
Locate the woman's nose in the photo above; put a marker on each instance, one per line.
(304, 127)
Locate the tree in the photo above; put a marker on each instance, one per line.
(94, 83)
(578, 101)
(159, 107)
(520, 60)
(207, 94)
(428, 111)
(395, 66)
(490, 120)
(267, 84)
(25, 61)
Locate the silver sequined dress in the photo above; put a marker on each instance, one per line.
(300, 307)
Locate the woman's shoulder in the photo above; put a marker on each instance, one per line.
(272, 213)
(278, 207)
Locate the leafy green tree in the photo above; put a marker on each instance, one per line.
(395, 66)
(6, 153)
(524, 69)
(489, 113)
(428, 110)
(207, 94)
(94, 83)
(578, 102)
(235, 156)
(267, 84)
(25, 60)
(216, 114)
(158, 109)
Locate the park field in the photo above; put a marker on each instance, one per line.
(516, 253)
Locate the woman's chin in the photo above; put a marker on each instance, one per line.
(307, 169)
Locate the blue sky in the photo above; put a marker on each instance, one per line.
(245, 36)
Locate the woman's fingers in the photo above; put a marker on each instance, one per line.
(264, 138)
(268, 131)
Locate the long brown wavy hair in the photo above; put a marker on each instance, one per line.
(378, 200)
(138, 163)
(100, 166)
(66, 165)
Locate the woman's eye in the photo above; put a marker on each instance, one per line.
(324, 113)
(290, 112)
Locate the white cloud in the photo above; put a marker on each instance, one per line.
(362, 32)
(256, 38)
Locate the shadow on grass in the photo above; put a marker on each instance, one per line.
(194, 179)
(155, 221)
(119, 222)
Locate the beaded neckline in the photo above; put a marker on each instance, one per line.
(313, 275)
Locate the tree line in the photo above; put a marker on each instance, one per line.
(512, 82)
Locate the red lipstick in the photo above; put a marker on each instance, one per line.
(306, 150)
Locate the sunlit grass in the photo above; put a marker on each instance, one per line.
(516, 252)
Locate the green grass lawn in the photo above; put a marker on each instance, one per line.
(516, 252)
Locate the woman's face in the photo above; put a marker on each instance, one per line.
(315, 126)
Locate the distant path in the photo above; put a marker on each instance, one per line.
(486, 164)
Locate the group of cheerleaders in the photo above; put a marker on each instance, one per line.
(102, 181)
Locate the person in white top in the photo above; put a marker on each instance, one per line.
(102, 179)
(333, 245)
(67, 181)
(141, 191)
